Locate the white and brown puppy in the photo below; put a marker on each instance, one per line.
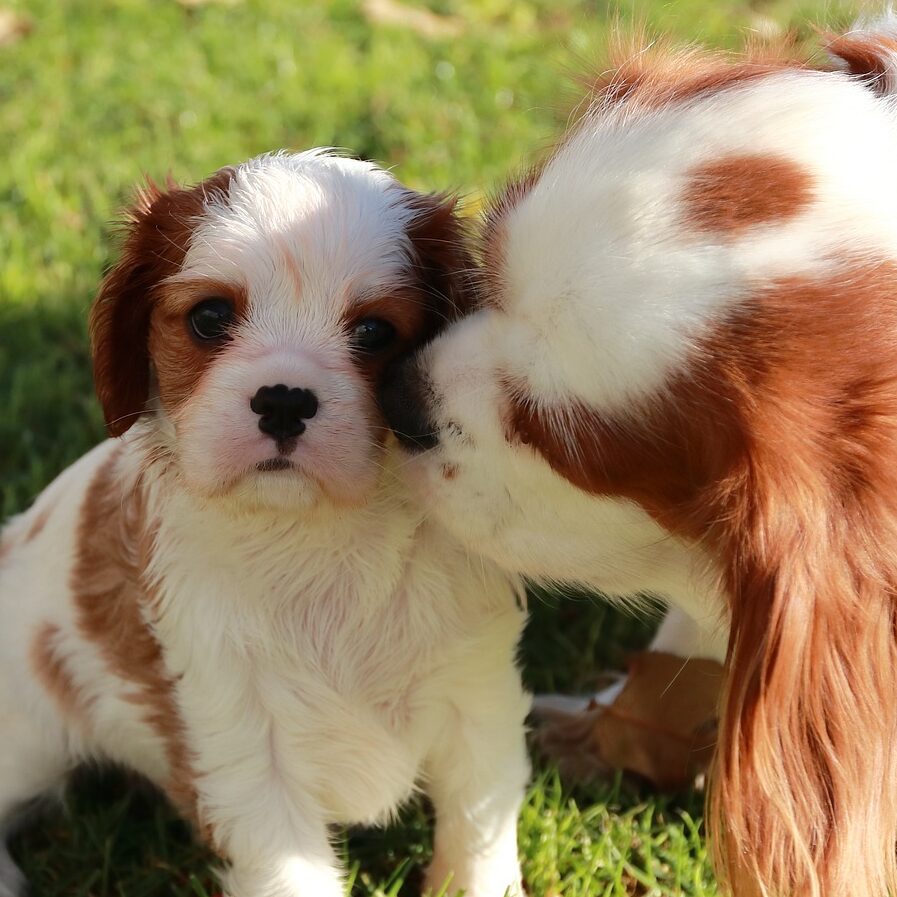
(683, 379)
(236, 598)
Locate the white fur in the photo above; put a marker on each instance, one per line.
(331, 655)
(606, 292)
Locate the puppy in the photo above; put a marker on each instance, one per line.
(683, 380)
(236, 598)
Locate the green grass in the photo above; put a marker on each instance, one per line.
(101, 92)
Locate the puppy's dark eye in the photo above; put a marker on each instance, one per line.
(372, 335)
(211, 318)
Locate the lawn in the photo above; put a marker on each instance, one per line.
(96, 93)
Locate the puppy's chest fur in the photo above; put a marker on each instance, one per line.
(318, 647)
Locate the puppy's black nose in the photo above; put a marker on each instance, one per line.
(403, 398)
(283, 411)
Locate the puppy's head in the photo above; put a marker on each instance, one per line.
(250, 318)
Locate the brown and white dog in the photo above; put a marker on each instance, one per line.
(237, 598)
(683, 380)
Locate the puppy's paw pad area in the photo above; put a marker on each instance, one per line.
(12, 881)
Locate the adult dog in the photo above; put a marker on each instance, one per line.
(682, 378)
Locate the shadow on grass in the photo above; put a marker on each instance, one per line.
(48, 413)
(117, 837)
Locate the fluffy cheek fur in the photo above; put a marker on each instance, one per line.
(463, 477)
(219, 446)
(495, 495)
(500, 497)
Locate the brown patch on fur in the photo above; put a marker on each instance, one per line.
(439, 288)
(38, 522)
(159, 229)
(869, 56)
(179, 358)
(653, 73)
(51, 669)
(111, 594)
(731, 194)
(776, 449)
(494, 236)
(442, 266)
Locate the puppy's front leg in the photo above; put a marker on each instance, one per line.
(476, 779)
(276, 857)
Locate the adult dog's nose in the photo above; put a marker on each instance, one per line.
(283, 411)
(403, 400)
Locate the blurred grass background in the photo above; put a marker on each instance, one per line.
(94, 94)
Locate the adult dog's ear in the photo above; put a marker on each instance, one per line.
(158, 230)
(803, 796)
(443, 262)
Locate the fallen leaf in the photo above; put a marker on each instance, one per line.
(13, 27)
(661, 726)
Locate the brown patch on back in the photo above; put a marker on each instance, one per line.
(648, 74)
(776, 449)
(50, 667)
(158, 234)
(110, 589)
(729, 195)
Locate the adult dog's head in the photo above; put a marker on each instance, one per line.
(250, 318)
(685, 359)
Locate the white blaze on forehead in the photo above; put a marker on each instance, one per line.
(608, 287)
(329, 226)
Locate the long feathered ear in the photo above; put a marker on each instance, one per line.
(442, 258)
(120, 318)
(157, 235)
(804, 798)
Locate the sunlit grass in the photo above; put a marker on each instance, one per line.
(101, 92)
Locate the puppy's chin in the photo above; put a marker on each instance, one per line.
(279, 486)
(277, 490)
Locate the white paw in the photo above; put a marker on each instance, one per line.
(12, 882)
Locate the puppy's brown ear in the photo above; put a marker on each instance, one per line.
(443, 262)
(158, 230)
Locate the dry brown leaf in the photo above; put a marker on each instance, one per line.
(661, 726)
(13, 27)
(421, 21)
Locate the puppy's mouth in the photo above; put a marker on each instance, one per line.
(272, 465)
